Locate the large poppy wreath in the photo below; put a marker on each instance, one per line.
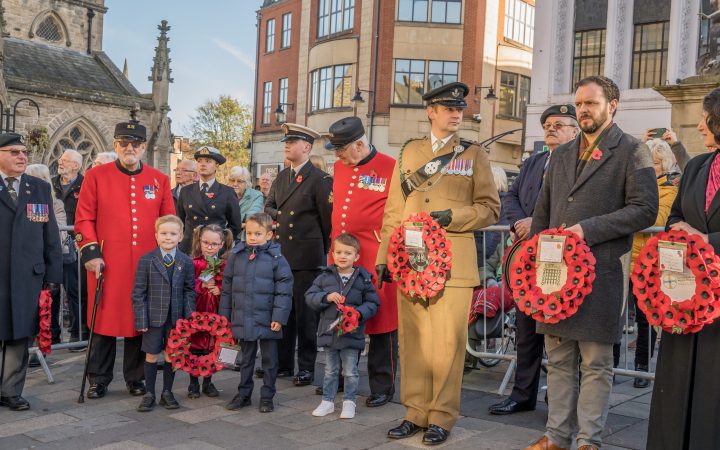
(689, 315)
(44, 335)
(561, 304)
(178, 346)
(427, 283)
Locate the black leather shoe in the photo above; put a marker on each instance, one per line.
(404, 430)
(210, 390)
(284, 373)
(303, 378)
(641, 383)
(266, 406)
(194, 390)
(375, 400)
(259, 372)
(16, 403)
(34, 361)
(167, 399)
(147, 403)
(435, 435)
(238, 402)
(96, 390)
(510, 406)
(136, 388)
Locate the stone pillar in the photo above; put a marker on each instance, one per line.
(683, 49)
(619, 42)
(562, 46)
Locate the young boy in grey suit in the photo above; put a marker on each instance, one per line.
(164, 292)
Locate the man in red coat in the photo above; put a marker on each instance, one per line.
(360, 187)
(115, 225)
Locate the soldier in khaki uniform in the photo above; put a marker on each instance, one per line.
(460, 194)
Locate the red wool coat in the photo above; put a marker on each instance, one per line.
(205, 302)
(116, 215)
(359, 197)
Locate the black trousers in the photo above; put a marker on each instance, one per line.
(302, 325)
(55, 318)
(382, 362)
(529, 360)
(269, 361)
(102, 359)
(75, 293)
(14, 370)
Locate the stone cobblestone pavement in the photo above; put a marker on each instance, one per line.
(57, 421)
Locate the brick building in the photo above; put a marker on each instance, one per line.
(63, 89)
(316, 56)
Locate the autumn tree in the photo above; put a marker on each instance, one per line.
(225, 124)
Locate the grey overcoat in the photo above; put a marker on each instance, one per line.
(615, 196)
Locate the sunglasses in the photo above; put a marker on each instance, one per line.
(124, 143)
(16, 152)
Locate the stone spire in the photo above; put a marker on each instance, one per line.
(160, 142)
(125, 69)
(3, 35)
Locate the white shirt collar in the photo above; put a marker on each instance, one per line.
(444, 141)
(297, 168)
(209, 183)
(171, 252)
(16, 184)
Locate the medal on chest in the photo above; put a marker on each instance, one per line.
(38, 212)
(372, 183)
(149, 191)
(463, 167)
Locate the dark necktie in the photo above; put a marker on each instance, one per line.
(11, 188)
(292, 174)
(204, 188)
(168, 259)
(344, 279)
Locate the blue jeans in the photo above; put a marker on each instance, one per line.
(350, 358)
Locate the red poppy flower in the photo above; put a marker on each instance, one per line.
(596, 154)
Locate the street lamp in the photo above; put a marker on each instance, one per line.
(280, 112)
(490, 97)
(358, 98)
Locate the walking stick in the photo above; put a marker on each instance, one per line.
(98, 297)
(2, 368)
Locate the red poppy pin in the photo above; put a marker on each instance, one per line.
(76, 194)
(210, 194)
(596, 155)
(299, 179)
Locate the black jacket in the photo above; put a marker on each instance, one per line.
(302, 207)
(359, 293)
(220, 206)
(69, 198)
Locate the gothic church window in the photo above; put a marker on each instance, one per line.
(49, 29)
(76, 138)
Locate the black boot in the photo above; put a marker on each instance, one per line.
(641, 383)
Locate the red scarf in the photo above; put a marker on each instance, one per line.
(713, 183)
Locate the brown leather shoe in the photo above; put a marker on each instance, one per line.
(587, 447)
(544, 443)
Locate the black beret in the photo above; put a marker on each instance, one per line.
(345, 131)
(8, 139)
(131, 131)
(558, 110)
(210, 152)
(450, 95)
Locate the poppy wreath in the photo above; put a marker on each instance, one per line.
(350, 319)
(428, 283)
(44, 337)
(559, 305)
(692, 314)
(178, 346)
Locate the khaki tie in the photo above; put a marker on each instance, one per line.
(11, 188)
(437, 146)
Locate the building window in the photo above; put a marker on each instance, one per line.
(331, 87)
(411, 76)
(650, 54)
(77, 138)
(49, 29)
(267, 102)
(589, 54)
(286, 30)
(270, 36)
(519, 22)
(437, 11)
(283, 93)
(514, 95)
(335, 16)
(441, 72)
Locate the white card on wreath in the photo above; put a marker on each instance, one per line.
(671, 256)
(414, 235)
(228, 355)
(550, 248)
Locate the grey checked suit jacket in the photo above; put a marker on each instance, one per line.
(152, 294)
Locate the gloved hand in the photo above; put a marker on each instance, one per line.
(442, 217)
(50, 286)
(383, 274)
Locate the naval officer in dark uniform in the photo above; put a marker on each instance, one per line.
(207, 200)
(300, 200)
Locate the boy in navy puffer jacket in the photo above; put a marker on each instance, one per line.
(342, 283)
(256, 298)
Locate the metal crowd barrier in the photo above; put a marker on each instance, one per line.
(502, 351)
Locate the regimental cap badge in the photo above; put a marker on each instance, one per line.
(455, 93)
(205, 151)
(563, 109)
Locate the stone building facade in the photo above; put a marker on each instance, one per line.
(59, 88)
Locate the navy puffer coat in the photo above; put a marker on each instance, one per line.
(359, 293)
(256, 292)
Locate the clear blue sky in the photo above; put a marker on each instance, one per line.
(212, 47)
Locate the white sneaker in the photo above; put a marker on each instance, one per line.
(324, 408)
(348, 411)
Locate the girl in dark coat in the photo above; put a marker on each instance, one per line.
(209, 241)
(686, 396)
(256, 299)
(342, 284)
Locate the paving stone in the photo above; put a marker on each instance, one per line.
(457, 436)
(101, 408)
(126, 445)
(251, 416)
(634, 436)
(616, 423)
(645, 398)
(34, 423)
(508, 436)
(303, 419)
(632, 409)
(324, 432)
(261, 436)
(7, 416)
(78, 428)
(58, 396)
(194, 444)
(202, 414)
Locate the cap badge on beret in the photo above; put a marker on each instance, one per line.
(455, 93)
(563, 109)
(205, 151)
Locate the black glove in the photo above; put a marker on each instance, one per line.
(50, 286)
(383, 275)
(442, 217)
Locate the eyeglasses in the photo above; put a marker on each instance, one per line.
(210, 244)
(124, 143)
(341, 149)
(233, 180)
(183, 171)
(557, 126)
(16, 152)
